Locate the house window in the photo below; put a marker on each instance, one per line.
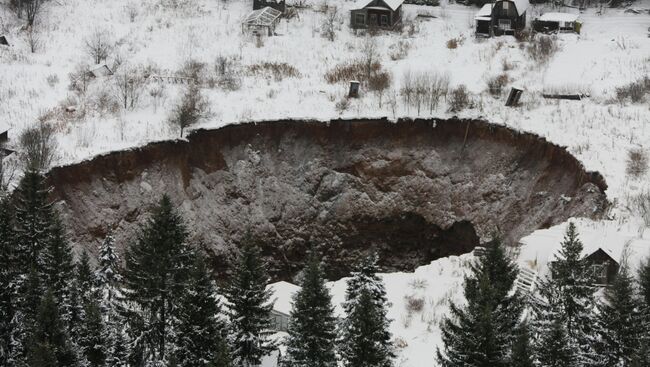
(360, 19)
(506, 5)
(384, 20)
(599, 272)
(504, 24)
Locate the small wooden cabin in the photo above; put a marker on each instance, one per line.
(557, 22)
(483, 20)
(603, 265)
(279, 5)
(282, 295)
(377, 14)
(508, 16)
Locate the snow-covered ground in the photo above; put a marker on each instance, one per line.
(612, 50)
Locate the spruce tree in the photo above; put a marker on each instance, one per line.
(481, 333)
(7, 279)
(50, 344)
(621, 322)
(200, 330)
(568, 296)
(108, 280)
(522, 349)
(154, 279)
(644, 283)
(58, 266)
(92, 335)
(312, 332)
(250, 308)
(365, 338)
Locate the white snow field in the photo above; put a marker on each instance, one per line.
(612, 50)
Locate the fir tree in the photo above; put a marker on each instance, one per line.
(154, 279)
(644, 282)
(50, 345)
(481, 333)
(92, 335)
(568, 296)
(312, 334)
(58, 265)
(365, 336)
(554, 349)
(522, 351)
(33, 214)
(250, 307)
(108, 280)
(621, 322)
(222, 355)
(7, 279)
(200, 331)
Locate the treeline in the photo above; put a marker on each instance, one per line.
(162, 308)
(567, 323)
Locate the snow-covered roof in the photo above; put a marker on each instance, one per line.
(485, 13)
(262, 17)
(558, 17)
(392, 4)
(283, 295)
(521, 5)
(101, 71)
(3, 126)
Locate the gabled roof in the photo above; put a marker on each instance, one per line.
(262, 17)
(101, 71)
(392, 4)
(521, 5)
(485, 13)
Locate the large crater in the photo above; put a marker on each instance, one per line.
(414, 190)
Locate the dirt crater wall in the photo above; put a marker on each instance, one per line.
(414, 190)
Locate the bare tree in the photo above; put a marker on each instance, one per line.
(98, 45)
(128, 85)
(331, 20)
(33, 38)
(191, 108)
(38, 146)
(80, 77)
(369, 55)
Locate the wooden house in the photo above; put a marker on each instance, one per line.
(501, 17)
(603, 265)
(557, 22)
(377, 14)
(279, 5)
(282, 295)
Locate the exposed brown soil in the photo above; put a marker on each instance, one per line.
(414, 190)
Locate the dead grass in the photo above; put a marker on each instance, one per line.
(637, 163)
(277, 70)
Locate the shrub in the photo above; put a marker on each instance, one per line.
(52, 80)
(426, 88)
(37, 146)
(277, 70)
(347, 71)
(542, 47)
(634, 91)
(497, 83)
(190, 109)
(453, 43)
(414, 304)
(640, 205)
(637, 162)
(459, 99)
(399, 50)
(98, 45)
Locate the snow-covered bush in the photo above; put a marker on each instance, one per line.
(640, 205)
(542, 47)
(192, 107)
(98, 45)
(37, 146)
(460, 99)
(331, 22)
(399, 50)
(637, 162)
(635, 91)
(497, 83)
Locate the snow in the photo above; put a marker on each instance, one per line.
(558, 17)
(485, 11)
(283, 295)
(521, 5)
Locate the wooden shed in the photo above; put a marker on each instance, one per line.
(279, 5)
(603, 265)
(282, 295)
(483, 20)
(377, 14)
(557, 22)
(508, 16)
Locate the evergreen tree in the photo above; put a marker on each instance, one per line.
(33, 213)
(154, 279)
(312, 333)
(222, 355)
(644, 283)
(7, 279)
(108, 280)
(92, 336)
(621, 322)
(481, 333)
(568, 297)
(250, 308)
(365, 336)
(200, 331)
(58, 266)
(522, 352)
(50, 345)
(554, 349)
